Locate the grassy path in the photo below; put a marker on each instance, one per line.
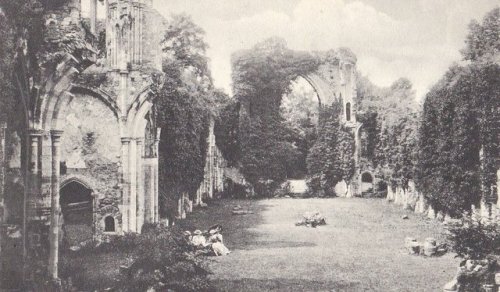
(360, 249)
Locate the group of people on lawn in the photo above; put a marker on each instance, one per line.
(209, 242)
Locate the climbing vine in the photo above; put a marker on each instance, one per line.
(261, 76)
(331, 158)
(186, 102)
(460, 131)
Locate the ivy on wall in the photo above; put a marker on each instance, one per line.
(460, 130)
(261, 76)
(186, 102)
(331, 158)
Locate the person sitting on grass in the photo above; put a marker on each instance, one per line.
(218, 246)
(199, 240)
(187, 236)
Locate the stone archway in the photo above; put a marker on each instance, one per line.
(77, 221)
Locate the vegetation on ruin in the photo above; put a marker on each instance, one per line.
(33, 45)
(389, 118)
(261, 76)
(460, 130)
(186, 101)
(226, 132)
(331, 158)
(6, 57)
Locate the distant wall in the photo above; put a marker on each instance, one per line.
(410, 199)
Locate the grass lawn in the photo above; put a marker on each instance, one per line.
(360, 249)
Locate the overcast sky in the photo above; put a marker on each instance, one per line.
(417, 39)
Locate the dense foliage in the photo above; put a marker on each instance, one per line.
(159, 258)
(227, 134)
(261, 76)
(389, 131)
(300, 111)
(186, 102)
(39, 46)
(331, 158)
(474, 239)
(460, 131)
(164, 260)
(6, 57)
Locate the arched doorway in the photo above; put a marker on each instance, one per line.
(366, 184)
(77, 213)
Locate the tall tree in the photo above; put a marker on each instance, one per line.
(186, 102)
(331, 158)
(261, 76)
(460, 131)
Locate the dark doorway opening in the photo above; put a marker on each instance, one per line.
(366, 184)
(77, 213)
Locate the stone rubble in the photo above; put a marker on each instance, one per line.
(428, 248)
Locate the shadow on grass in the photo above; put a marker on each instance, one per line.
(283, 285)
(237, 229)
(277, 244)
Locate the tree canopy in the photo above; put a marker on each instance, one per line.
(186, 101)
(460, 130)
(331, 158)
(261, 76)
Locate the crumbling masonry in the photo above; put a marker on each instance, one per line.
(92, 147)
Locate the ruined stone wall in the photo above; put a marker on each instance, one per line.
(410, 199)
(90, 150)
(213, 180)
(337, 73)
(155, 25)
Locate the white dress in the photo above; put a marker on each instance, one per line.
(218, 245)
(199, 241)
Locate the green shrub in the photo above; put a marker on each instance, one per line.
(474, 238)
(164, 260)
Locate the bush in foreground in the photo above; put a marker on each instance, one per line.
(478, 242)
(158, 259)
(474, 238)
(164, 261)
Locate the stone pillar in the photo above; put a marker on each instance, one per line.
(149, 186)
(34, 171)
(125, 184)
(2, 170)
(498, 188)
(133, 186)
(140, 34)
(140, 184)
(55, 207)
(156, 176)
(93, 16)
(2, 184)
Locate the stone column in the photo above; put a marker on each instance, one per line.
(125, 184)
(2, 170)
(156, 176)
(133, 186)
(93, 16)
(140, 184)
(55, 207)
(34, 171)
(498, 188)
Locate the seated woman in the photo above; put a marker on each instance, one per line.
(217, 243)
(187, 236)
(199, 240)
